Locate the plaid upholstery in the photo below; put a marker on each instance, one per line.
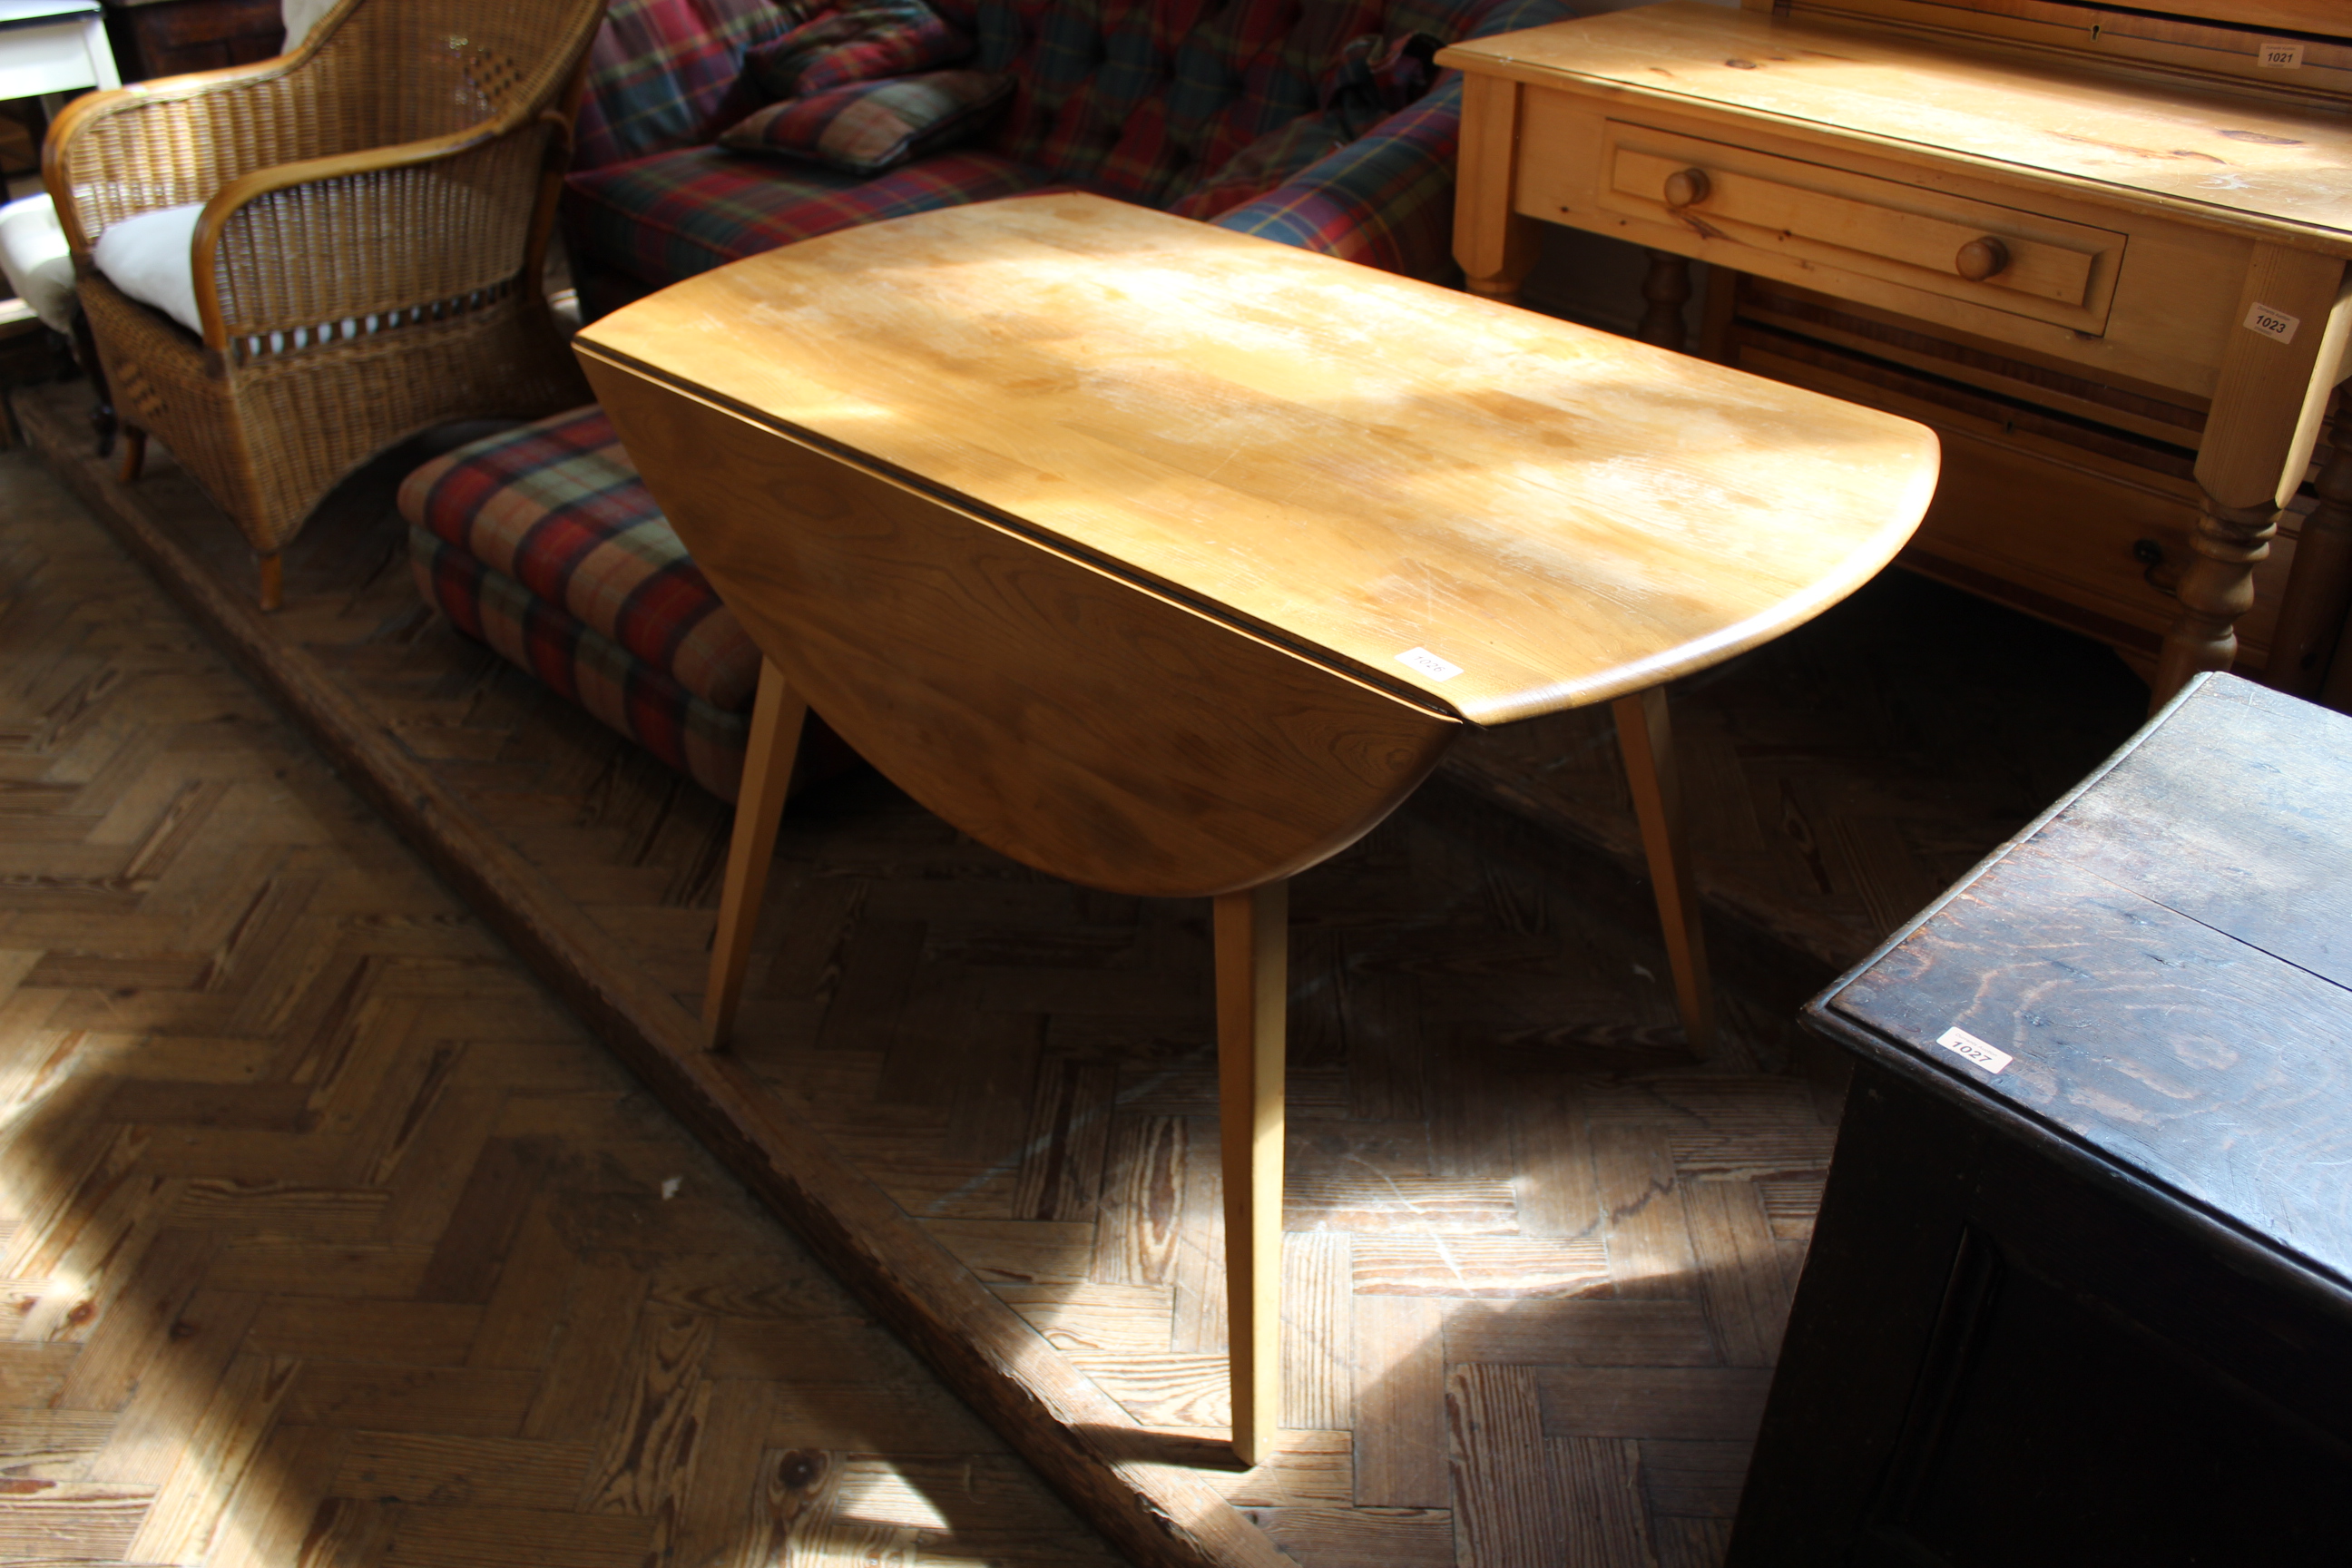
(860, 43)
(868, 127)
(657, 70)
(557, 510)
(827, 45)
(669, 216)
(588, 670)
(1152, 101)
(1386, 199)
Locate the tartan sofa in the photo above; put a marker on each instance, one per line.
(542, 543)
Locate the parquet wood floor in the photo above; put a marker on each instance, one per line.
(1538, 1255)
(328, 1239)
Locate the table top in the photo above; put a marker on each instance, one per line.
(2161, 969)
(1486, 510)
(2230, 158)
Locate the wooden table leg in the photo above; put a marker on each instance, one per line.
(2278, 370)
(1252, 990)
(1647, 741)
(777, 712)
(1495, 245)
(2311, 615)
(1665, 292)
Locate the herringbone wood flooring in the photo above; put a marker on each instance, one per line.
(327, 1238)
(1537, 1254)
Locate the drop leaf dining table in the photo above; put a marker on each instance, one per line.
(1170, 561)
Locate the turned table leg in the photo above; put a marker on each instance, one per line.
(2278, 370)
(1667, 290)
(1252, 988)
(1647, 741)
(2311, 615)
(777, 715)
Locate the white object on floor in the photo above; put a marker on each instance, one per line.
(34, 256)
(151, 258)
(53, 45)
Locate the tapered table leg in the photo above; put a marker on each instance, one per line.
(1253, 986)
(777, 712)
(1647, 739)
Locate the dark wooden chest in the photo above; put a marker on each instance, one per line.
(2081, 1289)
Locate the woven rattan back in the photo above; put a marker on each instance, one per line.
(374, 73)
(412, 69)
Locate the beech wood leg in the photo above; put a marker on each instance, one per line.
(271, 569)
(1647, 741)
(777, 711)
(1253, 989)
(135, 454)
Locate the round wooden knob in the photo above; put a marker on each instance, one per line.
(1687, 187)
(1981, 258)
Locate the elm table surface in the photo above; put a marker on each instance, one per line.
(1169, 560)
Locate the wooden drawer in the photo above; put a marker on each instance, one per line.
(2007, 258)
(2068, 533)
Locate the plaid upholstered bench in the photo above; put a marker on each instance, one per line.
(543, 543)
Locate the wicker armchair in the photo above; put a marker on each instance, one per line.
(367, 261)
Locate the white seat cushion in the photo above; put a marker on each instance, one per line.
(301, 17)
(33, 256)
(152, 258)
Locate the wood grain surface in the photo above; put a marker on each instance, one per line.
(2226, 157)
(1071, 718)
(1353, 464)
(2141, 958)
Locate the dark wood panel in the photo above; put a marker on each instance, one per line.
(2078, 1290)
(175, 37)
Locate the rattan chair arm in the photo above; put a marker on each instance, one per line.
(212, 224)
(86, 113)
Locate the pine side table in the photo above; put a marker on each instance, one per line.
(2074, 205)
(1170, 561)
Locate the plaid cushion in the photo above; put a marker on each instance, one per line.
(828, 44)
(658, 68)
(626, 693)
(670, 216)
(557, 508)
(870, 126)
(838, 46)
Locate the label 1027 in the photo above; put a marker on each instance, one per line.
(1960, 1042)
